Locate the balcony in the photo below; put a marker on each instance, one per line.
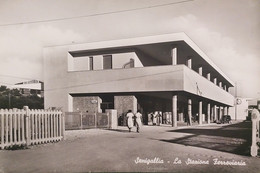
(145, 79)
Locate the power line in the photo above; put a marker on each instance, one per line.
(5, 83)
(102, 82)
(17, 77)
(97, 14)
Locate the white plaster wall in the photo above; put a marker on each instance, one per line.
(98, 62)
(59, 82)
(81, 63)
(195, 83)
(70, 61)
(148, 40)
(240, 109)
(120, 59)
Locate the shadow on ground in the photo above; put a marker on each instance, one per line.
(119, 130)
(234, 138)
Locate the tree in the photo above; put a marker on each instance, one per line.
(17, 100)
(2, 88)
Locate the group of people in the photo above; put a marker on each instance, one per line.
(156, 118)
(131, 117)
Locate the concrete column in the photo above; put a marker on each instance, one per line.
(200, 71)
(174, 111)
(200, 112)
(190, 111)
(174, 56)
(215, 112)
(212, 114)
(215, 81)
(189, 63)
(220, 113)
(220, 84)
(227, 110)
(208, 76)
(225, 87)
(208, 113)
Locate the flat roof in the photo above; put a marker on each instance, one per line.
(149, 40)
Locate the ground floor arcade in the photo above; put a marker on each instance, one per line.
(173, 107)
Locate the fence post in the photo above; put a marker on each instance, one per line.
(15, 125)
(63, 125)
(255, 120)
(11, 126)
(2, 129)
(27, 125)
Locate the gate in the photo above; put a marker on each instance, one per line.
(83, 120)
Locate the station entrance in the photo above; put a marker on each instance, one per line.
(151, 105)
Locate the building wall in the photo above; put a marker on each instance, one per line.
(199, 85)
(118, 61)
(81, 63)
(124, 103)
(60, 82)
(88, 103)
(239, 111)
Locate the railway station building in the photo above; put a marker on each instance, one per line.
(165, 73)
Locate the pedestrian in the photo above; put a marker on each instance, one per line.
(151, 117)
(138, 117)
(159, 118)
(155, 118)
(130, 122)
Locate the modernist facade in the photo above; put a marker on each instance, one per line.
(166, 73)
(30, 87)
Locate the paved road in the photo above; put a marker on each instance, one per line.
(108, 150)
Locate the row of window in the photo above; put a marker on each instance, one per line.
(107, 62)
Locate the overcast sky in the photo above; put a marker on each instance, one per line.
(228, 31)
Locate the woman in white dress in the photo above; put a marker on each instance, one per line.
(138, 117)
(130, 122)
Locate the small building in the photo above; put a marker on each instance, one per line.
(28, 88)
(240, 110)
(253, 104)
(164, 73)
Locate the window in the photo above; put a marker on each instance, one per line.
(91, 63)
(107, 62)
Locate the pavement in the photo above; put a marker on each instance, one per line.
(207, 148)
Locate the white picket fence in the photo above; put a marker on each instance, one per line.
(25, 126)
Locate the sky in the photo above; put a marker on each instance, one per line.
(228, 31)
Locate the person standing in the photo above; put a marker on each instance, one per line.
(130, 122)
(138, 117)
(155, 118)
(159, 118)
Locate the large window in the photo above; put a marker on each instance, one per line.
(107, 62)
